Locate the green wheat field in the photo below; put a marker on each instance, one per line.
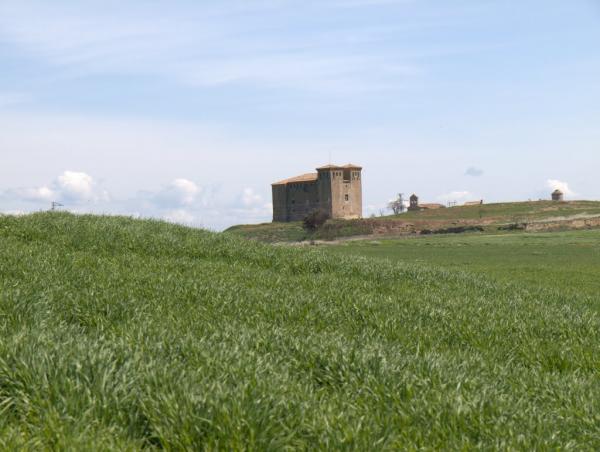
(128, 334)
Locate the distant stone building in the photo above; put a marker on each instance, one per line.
(474, 203)
(413, 203)
(415, 206)
(336, 190)
(558, 195)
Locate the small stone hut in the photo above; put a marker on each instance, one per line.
(414, 203)
(558, 195)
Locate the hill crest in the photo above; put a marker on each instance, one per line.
(530, 216)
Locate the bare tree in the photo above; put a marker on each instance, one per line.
(397, 205)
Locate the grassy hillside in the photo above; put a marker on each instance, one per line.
(116, 333)
(503, 212)
(538, 215)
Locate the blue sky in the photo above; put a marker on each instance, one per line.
(188, 110)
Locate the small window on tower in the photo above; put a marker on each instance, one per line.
(347, 197)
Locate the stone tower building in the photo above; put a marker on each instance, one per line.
(336, 190)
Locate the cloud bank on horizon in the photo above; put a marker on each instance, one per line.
(188, 111)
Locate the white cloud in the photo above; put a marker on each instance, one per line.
(180, 216)
(70, 187)
(180, 192)
(155, 40)
(250, 199)
(554, 184)
(185, 202)
(77, 186)
(36, 194)
(182, 201)
(331, 73)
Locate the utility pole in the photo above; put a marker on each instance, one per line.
(55, 205)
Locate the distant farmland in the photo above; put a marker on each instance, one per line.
(128, 334)
(567, 261)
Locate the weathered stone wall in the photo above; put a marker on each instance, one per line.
(302, 200)
(324, 191)
(279, 203)
(356, 207)
(346, 194)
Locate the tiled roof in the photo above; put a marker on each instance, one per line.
(309, 177)
(348, 166)
(330, 166)
(312, 177)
